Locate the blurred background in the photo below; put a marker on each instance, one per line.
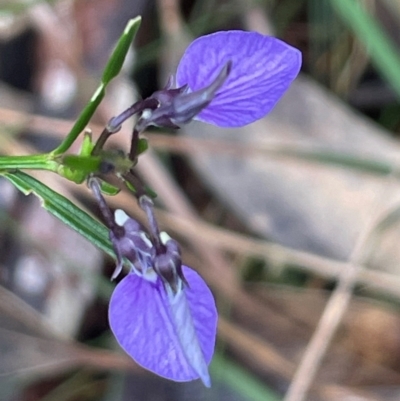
(293, 221)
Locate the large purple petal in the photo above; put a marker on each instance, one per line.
(263, 67)
(173, 337)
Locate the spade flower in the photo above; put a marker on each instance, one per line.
(228, 79)
(262, 70)
(162, 313)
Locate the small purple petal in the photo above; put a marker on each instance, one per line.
(263, 67)
(172, 337)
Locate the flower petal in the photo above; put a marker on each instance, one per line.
(173, 338)
(263, 67)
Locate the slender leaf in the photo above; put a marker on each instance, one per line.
(34, 162)
(112, 69)
(82, 121)
(117, 58)
(64, 209)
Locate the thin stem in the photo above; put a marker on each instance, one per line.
(134, 144)
(114, 125)
(28, 162)
(136, 183)
(101, 141)
(147, 206)
(105, 210)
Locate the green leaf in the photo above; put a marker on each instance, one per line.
(112, 69)
(117, 58)
(64, 210)
(82, 121)
(76, 168)
(108, 189)
(130, 187)
(87, 145)
(142, 146)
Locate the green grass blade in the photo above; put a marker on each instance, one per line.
(382, 50)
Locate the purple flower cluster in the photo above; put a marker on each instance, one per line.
(162, 313)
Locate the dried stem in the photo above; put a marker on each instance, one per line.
(333, 314)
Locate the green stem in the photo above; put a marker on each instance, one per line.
(111, 70)
(30, 162)
(81, 122)
(88, 164)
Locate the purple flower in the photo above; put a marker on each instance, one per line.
(162, 314)
(262, 70)
(229, 79)
(173, 335)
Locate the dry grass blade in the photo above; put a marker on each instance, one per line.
(333, 313)
(28, 356)
(255, 350)
(12, 307)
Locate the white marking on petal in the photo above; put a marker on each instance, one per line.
(144, 237)
(164, 237)
(120, 217)
(146, 114)
(147, 326)
(171, 294)
(150, 275)
(117, 271)
(183, 322)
